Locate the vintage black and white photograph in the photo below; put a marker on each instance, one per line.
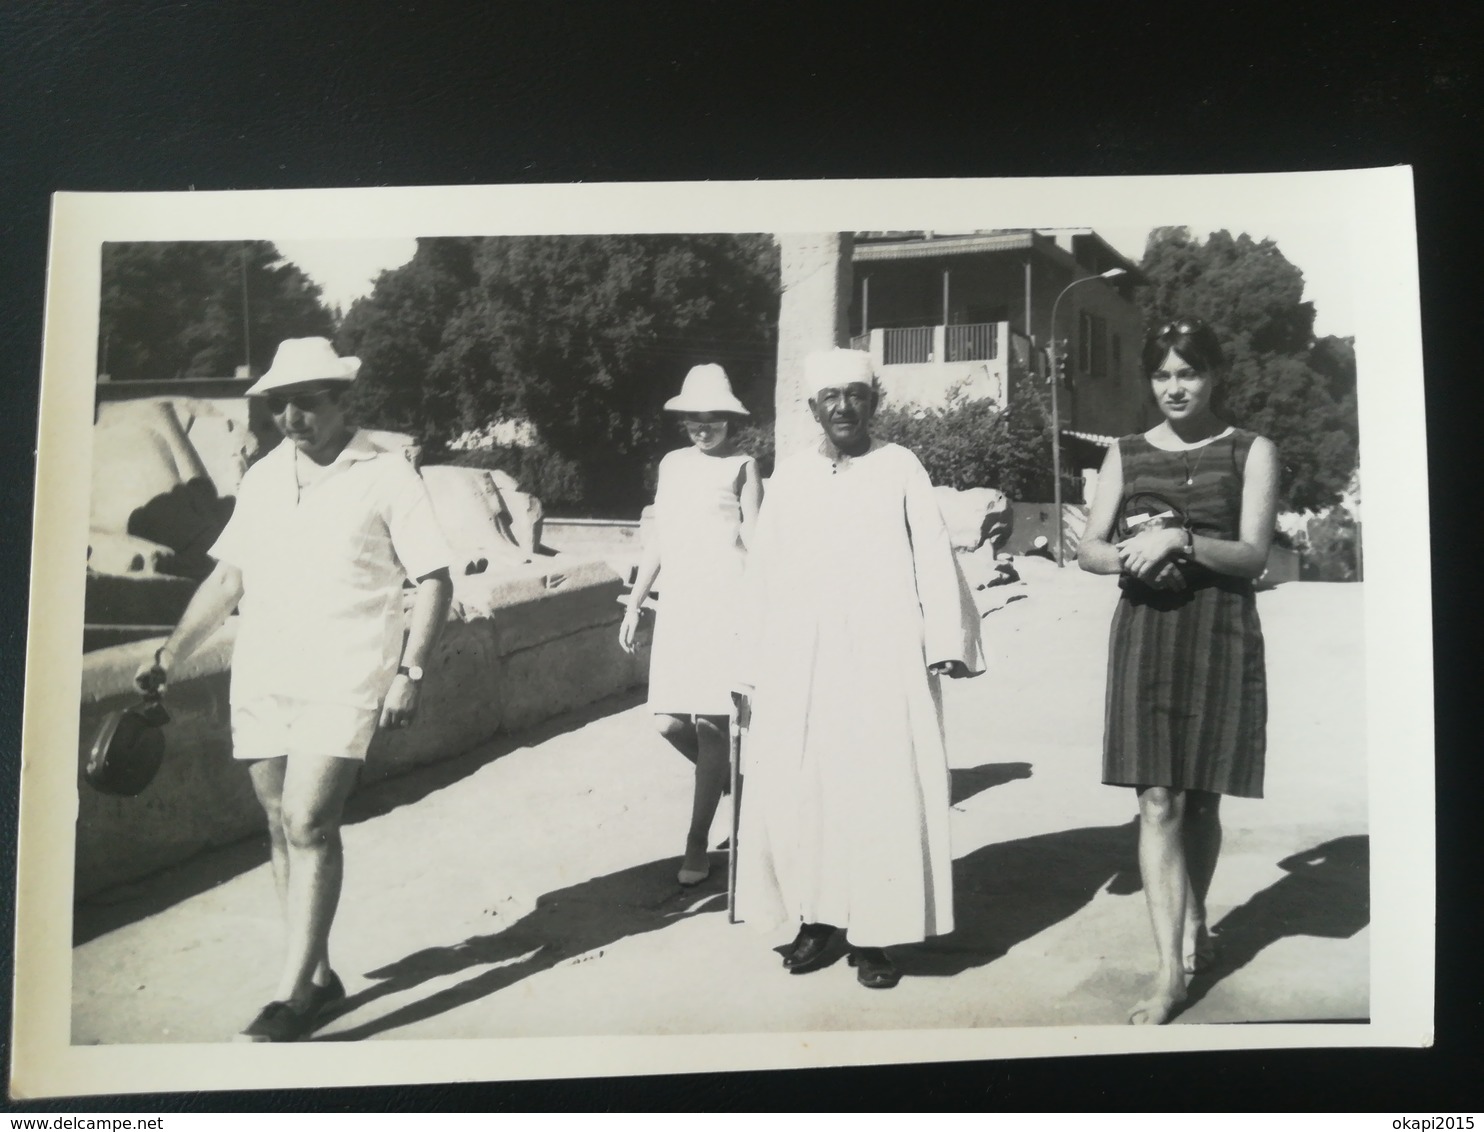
(678, 625)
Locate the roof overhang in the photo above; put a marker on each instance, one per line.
(933, 248)
(1022, 239)
(1090, 437)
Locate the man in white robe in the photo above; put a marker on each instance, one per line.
(856, 608)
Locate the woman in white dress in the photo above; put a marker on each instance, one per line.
(704, 509)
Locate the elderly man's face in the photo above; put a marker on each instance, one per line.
(845, 412)
(312, 418)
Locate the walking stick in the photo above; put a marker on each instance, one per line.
(735, 778)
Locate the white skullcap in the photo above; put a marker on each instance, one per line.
(825, 369)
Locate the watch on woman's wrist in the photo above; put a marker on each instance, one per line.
(412, 671)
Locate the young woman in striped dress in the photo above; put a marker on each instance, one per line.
(1184, 514)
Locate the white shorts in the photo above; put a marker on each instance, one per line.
(269, 727)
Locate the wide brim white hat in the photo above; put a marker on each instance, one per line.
(706, 390)
(303, 360)
(828, 369)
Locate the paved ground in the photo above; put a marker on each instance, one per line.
(527, 888)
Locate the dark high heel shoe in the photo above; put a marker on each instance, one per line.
(874, 968)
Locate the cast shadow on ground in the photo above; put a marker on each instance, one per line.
(968, 781)
(1008, 892)
(1327, 893)
(124, 904)
(580, 920)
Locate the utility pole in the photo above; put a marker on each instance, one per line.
(1111, 273)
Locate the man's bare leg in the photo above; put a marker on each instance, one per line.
(267, 783)
(313, 800)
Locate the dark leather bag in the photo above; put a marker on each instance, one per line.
(128, 748)
(1147, 511)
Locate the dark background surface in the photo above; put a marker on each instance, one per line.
(165, 96)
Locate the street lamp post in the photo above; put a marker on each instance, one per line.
(1111, 273)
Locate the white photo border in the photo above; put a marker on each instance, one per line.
(1374, 208)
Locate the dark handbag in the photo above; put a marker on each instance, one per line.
(1148, 511)
(128, 748)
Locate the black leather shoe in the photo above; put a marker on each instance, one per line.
(810, 949)
(874, 968)
(322, 997)
(279, 1022)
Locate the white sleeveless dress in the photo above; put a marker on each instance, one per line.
(698, 521)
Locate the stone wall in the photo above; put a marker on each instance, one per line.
(550, 644)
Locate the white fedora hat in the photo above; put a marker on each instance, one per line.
(825, 369)
(706, 390)
(302, 360)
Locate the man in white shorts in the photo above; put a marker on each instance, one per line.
(325, 531)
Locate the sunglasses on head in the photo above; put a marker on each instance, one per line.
(1181, 326)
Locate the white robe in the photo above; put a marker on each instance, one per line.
(852, 590)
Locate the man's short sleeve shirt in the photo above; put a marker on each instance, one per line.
(322, 572)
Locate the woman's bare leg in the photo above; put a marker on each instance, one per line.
(713, 768)
(680, 732)
(1201, 830)
(1166, 886)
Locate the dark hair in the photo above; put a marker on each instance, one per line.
(1191, 339)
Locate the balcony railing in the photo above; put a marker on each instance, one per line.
(919, 345)
(907, 345)
(971, 342)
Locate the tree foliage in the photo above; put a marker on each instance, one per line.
(978, 443)
(400, 332)
(175, 309)
(586, 337)
(1285, 384)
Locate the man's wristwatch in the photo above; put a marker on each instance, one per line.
(413, 672)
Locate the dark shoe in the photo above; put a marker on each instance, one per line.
(810, 949)
(874, 968)
(323, 997)
(279, 1022)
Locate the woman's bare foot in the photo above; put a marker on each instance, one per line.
(1159, 1007)
(1199, 950)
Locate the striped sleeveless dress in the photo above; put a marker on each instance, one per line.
(1187, 689)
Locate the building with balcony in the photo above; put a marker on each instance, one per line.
(969, 314)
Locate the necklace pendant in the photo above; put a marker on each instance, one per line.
(1188, 481)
